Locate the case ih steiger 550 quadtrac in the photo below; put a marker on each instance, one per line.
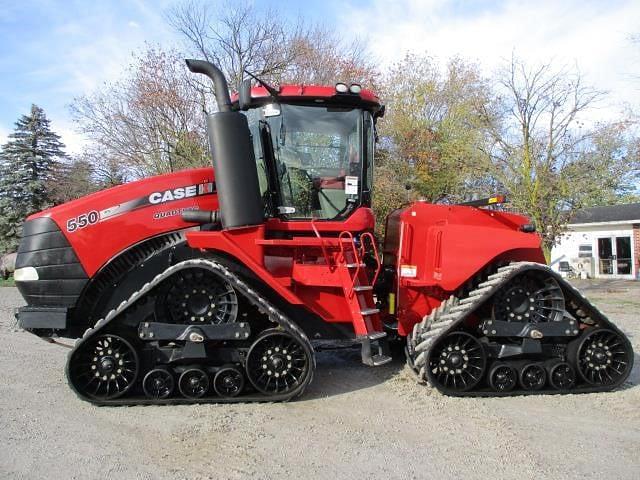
(214, 285)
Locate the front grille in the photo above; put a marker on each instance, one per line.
(61, 276)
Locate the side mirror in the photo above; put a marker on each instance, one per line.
(244, 94)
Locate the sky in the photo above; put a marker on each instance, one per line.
(54, 51)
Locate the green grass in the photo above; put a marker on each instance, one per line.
(7, 283)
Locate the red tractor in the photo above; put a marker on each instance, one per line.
(218, 285)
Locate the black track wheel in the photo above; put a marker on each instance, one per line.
(277, 363)
(456, 363)
(603, 357)
(503, 377)
(104, 367)
(228, 382)
(562, 376)
(198, 297)
(193, 383)
(532, 376)
(529, 297)
(158, 383)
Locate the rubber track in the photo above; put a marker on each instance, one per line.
(274, 314)
(453, 312)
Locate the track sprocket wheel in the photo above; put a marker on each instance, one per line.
(457, 363)
(104, 367)
(604, 357)
(503, 377)
(532, 376)
(196, 296)
(193, 383)
(228, 382)
(158, 383)
(562, 376)
(277, 363)
(529, 297)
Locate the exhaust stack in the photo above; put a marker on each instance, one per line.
(233, 157)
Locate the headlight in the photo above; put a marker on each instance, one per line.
(355, 88)
(342, 88)
(26, 274)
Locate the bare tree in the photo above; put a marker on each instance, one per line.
(320, 57)
(540, 148)
(150, 122)
(73, 179)
(237, 37)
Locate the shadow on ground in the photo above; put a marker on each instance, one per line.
(340, 372)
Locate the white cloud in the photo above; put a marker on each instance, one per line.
(73, 141)
(82, 48)
(595, 36)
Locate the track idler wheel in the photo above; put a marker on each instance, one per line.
(457, 363)
(278, 364)
(532, 377)
(193, 383)
(562, 376)
(530, 297)
(503, 377)
(604, 357)
(158, 384)
(196, 296)
(228, 382)
(104, 367)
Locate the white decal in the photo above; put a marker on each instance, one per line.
(351, 185)
(172, 213)
(175, 194)
(408, 271)
(82, 221)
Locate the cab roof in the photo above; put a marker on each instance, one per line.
(315, 93)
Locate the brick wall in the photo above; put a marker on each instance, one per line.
(636, 247)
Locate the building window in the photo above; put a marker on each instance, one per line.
(585, 251)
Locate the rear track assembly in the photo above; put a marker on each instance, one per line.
(523, 330)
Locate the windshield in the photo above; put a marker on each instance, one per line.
(317, 155)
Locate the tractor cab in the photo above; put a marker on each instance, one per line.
(313, 148)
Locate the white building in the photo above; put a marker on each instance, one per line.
(601, 242)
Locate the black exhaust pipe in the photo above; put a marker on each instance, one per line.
(219, 82)
(233, 157)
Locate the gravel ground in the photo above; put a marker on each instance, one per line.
(354, 421)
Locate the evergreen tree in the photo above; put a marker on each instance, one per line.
(28, 162)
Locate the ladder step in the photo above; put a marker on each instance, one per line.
(363, 288)
(355, 265)
(370, 311)
(376, 335)
(380, 359)
(375, 349)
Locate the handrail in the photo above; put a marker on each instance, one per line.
(374, 247)
(356, 259)
(322, 245)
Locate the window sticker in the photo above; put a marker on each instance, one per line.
(351, 185)
(408, 271)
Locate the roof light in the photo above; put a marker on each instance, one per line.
(355, 88)
(26, 274)
(342, 88)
